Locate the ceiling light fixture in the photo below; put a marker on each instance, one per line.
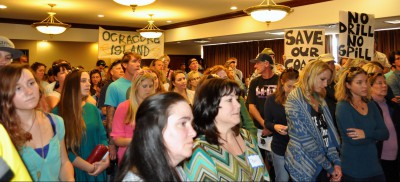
(3, 6)
(268, 13)
(201, 41)
(392, 21)
(151, 30)
(51, 25)
(134, 3)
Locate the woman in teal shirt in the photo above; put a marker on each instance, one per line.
(38, 136)
(360, 125)
(84, 129)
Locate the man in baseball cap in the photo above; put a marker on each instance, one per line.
(260, 87)
(7, 51)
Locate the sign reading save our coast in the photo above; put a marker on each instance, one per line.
(301, 45)
(356, 35)
(113, 45)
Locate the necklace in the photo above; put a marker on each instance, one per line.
(38, 173)
(226, 142)
(33, 122)
(250, 172)
(357, 107)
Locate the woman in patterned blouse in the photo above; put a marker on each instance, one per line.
(222, 151)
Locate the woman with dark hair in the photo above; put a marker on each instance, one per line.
(218, 71)
(311, 153)
(84, 129)
(221, 144)
(60, 70)
(275, 121)
(163, 139)
(360, 125)
(388, 150)
(95, 84)
(178, 84)
(38, 136)
(40, 69)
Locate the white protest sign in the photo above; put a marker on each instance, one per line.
(301, 45)
(356, 35)
(113, 45)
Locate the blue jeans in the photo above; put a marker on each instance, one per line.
(281, 173)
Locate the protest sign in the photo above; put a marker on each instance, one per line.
(356, 35)
(113, 45)
(301, 45)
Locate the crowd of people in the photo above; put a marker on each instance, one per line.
(322, 123)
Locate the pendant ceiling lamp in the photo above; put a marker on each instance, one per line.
(134, 3)
(268, 13)
(51, 25)
(151, 30)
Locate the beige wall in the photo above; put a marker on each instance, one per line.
(77, 53)
(81, 53)
(177, 49)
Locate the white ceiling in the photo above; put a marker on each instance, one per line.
(177, 11)
(86, 11)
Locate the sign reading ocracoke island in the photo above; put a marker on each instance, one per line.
(301, 45)
(356, 35)
(113, 45)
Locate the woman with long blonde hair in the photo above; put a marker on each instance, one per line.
(312, 133)
(123, 125)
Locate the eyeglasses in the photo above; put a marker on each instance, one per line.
(195, 78)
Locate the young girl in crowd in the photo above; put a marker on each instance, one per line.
(60, 70)
(222, 145)
(311, 154)
(360, 125)
(167, 71)
(158, 85)
(388, 150)
(193, 79)
(95, 84)
(39, 69)
(38, 136)
(275, 121)
(123, 125)
(163, 138)
(84, 129)
(178, 84)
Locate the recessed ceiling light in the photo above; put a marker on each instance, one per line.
(100, 16)
(201, 41)
(233, 8)
(169, 21)
(393, 21)
(3, 6)
(276, 33)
